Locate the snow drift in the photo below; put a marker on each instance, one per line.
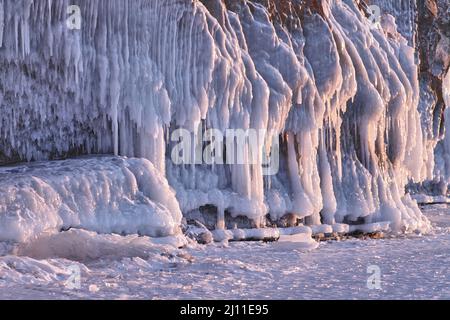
(339, 93)
(106, 195)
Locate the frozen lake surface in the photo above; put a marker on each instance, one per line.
(412, 267)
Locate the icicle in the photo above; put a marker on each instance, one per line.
(342, 96)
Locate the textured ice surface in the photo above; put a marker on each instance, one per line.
(341, 96)
(425, 25)
(442, 168)
(405, 12)
(103, 194)
(412, 267)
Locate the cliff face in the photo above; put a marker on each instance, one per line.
(426, 25)
(434, 51)
(339, 96)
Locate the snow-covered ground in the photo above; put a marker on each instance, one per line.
(137, 268)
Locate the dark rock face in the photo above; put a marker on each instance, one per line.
(433, 34)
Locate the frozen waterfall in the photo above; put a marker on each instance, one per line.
(339, 94)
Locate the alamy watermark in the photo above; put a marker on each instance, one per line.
(374, 279)
(374, 16)
(232, 147)
(73, 22)
(74, 280)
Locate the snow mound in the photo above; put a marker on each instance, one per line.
(85, 246)
(300, 241)
(104, 194)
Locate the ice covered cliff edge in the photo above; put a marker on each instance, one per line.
(426, 25)
(341, 95)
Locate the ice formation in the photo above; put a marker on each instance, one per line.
(426, 25)
(106, 195)
(341, 95)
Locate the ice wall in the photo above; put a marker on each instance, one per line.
(442, 168)
(341, 96)
(405, 13)
(435, 65)
(426, 25)
(428, 31)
